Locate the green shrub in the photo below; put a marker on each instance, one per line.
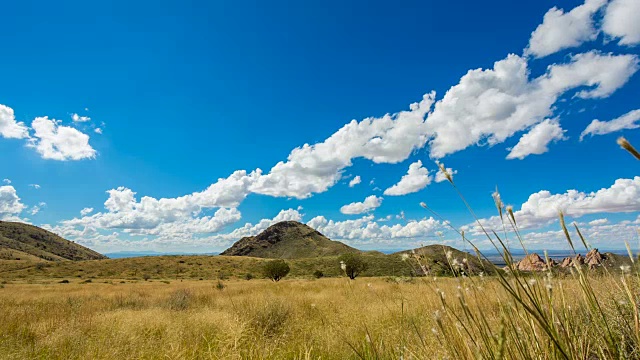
(220, 286)
(318, 274)
(276, 269)
(248, 276)
(352, 264)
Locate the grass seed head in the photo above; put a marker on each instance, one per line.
(627, 146)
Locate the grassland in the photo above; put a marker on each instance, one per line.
(298, 318)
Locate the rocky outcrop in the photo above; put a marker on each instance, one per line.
(531, 262)
(593, 259)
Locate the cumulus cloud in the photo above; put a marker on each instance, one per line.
(370, 203)
(86, 211)
(367, 229)
(626, 121)
(355, 181)
(35, 186)
(78, 118)
(10, 204)
(192, 233)
(98, 130)
(57, 142)
(560, 30)
(600, 233)
(314, 168)
(6, 181)
(492, 105)
(621, 21)
(9, 127)
(180, 216)
(537, 140)
(542, 207)
(598, 222)
(416, 179)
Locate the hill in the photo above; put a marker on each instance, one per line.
(288, 240)
(438, 260)
(20, 241)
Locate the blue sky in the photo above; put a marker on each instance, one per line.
(163, 99)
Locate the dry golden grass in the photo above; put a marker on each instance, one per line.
(296, 319)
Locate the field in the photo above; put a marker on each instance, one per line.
(330, 318)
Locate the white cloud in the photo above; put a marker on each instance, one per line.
(440, 176)
(537, 140)
(598, 222)
(171, 216)
(9, 127)
(185, 228)
(355, 181)
(621, 21)
(78, 118)
(600, 233)
(98, 130)
(492, 105)
(35, 186)
(626, 121)
(366, 229)
(177, 235)
(314, 168)
(370, 203)
(34, 210)
(10, 204)
(56, 142)
(416, 179)
(86, 211)
(6, 181)
(542, 207)
(560, 30)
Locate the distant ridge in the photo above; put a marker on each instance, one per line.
(19, 241)
(288, 240)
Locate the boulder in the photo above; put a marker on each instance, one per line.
(531, 262)
(594, 258)
(566, 262)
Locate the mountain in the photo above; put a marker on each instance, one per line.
(28, 242)
(288, 240)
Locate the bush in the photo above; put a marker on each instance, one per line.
(248, 276)
(318, 274)
(146, 277)
(276, 269)
(352, 264)
(220, 286)
(65, 281)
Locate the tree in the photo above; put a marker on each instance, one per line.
(276, 269)
(352, 264)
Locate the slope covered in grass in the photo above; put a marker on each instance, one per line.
(288, 240)
(18, 239)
